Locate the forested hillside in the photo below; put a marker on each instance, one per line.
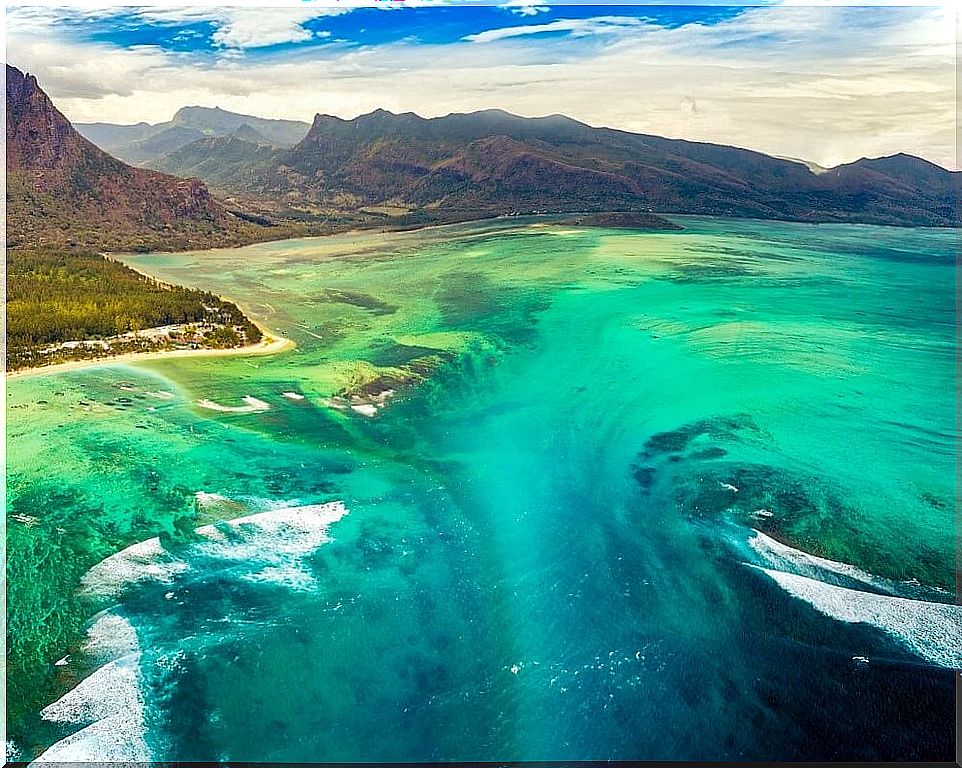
(494, 163)
(67, 200)
(53, 297)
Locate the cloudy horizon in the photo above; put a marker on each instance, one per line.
(827, 84)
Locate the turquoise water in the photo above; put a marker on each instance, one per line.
(630, 495)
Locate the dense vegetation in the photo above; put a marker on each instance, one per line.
(56, 296)
(493, 163)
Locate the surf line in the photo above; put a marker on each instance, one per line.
(931, 630)
(252, 405)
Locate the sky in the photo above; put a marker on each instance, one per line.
(826, 83)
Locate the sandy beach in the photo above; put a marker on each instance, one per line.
(270, 344)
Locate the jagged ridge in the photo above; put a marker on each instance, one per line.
(492, 162)
(63, 190)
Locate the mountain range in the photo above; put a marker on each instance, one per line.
(141, 143)
(64, 191)
(496, 163)
(396, 170)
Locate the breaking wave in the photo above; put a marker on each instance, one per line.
(272, 539)
(774, 554)
(930, 628)
(251, 405)
(106, 709)
(107, 705)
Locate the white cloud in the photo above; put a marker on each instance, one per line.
(525, 7)
(255, 28)
(574, 27)
(240, 27)
(824, 84)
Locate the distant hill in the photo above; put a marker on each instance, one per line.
(155, 143)
(220, 122)
(142, 143)
(227, 162)
(493, 162)
(247, 133)
(64, 191)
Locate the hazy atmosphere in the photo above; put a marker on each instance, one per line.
(824, 84)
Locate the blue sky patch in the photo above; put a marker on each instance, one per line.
(365, 26)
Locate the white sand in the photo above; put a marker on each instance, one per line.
(269, 345)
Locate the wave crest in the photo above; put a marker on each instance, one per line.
(108, 704)
(275, 538)
(933, 631)
(930, 628)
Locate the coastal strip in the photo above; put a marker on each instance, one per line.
(270, 344)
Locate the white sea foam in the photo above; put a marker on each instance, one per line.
(252, 405)
(303, 517)
(110, 637)
(274, 535)
(931, 630)
(293, 395)
(108, 704)
(11, 752)
(365, 409)
(115, 739)
(144, 561)
(782, 557)
(110, 689)
(162, 395)
(273, 538)
(289, 576)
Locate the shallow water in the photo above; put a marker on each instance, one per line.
(547, 547)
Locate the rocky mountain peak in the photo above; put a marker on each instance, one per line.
(63, 190)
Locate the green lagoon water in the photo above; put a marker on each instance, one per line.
(683, 495)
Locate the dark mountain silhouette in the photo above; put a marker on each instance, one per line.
(493, 162)
(62, 190)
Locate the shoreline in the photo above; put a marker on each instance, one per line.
(263, 347)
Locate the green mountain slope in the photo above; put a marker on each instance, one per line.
(492, 163)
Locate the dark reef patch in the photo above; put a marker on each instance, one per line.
(727, 428)
(645, 476)
(746, 483)
(390, 354)
(471, 301)
(710, 453)
(356, 299)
